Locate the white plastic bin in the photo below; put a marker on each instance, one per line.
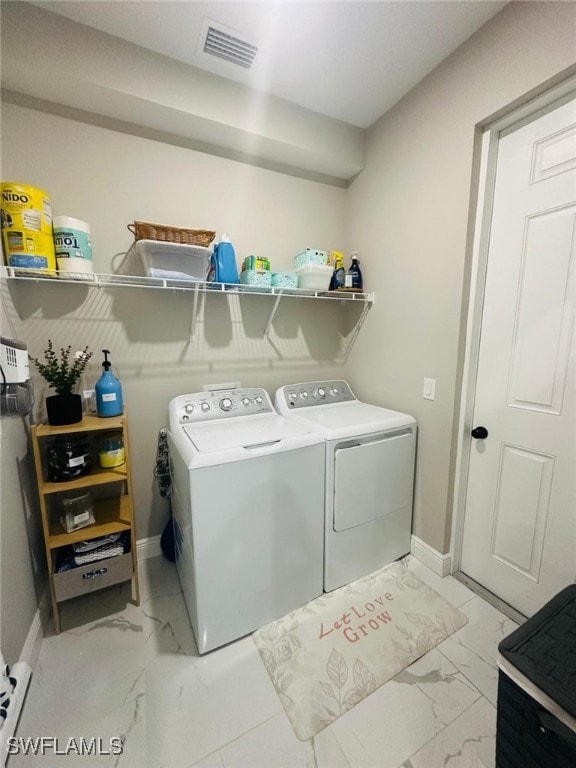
(175, 261)
(314, 276)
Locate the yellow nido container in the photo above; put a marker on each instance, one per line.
(27, 237)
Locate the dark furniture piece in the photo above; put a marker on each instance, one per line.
(536, 722)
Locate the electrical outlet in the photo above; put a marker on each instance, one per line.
(225, 385)
(429, 389)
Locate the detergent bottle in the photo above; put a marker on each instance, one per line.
(108, 391)
(223, 267)
(354, 276)
(339, 274)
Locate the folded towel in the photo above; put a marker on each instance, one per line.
(81, 547)
(70, 559)
(102, 553)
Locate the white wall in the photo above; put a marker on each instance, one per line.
(409, 216)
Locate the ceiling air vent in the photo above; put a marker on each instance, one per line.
(227, 46)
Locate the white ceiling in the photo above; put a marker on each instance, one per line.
(350, 60)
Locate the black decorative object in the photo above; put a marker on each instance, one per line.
(64, 409)
(68, 458)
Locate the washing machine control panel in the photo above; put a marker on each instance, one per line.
(314, 393)
(219, 404)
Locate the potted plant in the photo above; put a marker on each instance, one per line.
(61, 372)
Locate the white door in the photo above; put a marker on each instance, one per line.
(520, 519)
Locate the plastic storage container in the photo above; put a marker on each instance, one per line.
(68, 458)
(111, 451)
(314, 276)
(284, 280)
(77, 510)
(256, 278)
(311, 256)
(173, 261)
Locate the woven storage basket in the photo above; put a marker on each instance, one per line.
(144, 230)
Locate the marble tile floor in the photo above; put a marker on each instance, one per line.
(118, 670)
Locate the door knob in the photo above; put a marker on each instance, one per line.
(479, 433)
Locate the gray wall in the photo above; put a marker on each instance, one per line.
(409, 217)
(110, 179)
(407, 213)
(22, 563)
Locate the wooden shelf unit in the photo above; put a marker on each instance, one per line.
(113, 511)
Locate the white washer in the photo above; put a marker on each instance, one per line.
(248, 509)
(370, 453)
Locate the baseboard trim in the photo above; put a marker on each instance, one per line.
(147, 548)
(31, 647)
(34, 636)
(439, 564)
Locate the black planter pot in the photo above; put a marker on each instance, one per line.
(64, 409)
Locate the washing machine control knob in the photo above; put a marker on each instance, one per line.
(320, 393)
(246, 401)
(292, 396)
(334, 391)
(205, 407)
(188, 407)
(304, 395)
(226, 404)
(258, 399)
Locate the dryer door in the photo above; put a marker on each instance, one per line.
(372, 478)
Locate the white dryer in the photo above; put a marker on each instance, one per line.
(248, 508)
(370, 454)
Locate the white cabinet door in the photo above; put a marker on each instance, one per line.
(372, 479)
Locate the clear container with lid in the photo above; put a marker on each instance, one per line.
(77, 509)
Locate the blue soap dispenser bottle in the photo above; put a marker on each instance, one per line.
(108, 391)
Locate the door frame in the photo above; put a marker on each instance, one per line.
(486, 150)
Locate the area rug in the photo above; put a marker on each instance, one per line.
(327, 656)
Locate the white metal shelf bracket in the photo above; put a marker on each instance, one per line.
(194, 314)
(272, 314)
(357, 327)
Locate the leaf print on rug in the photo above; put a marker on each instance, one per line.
(337, 670)
(328, 655)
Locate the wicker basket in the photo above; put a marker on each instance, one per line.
(144, 230)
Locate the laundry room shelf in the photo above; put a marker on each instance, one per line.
(97, 280)
(96, 477)
(134, 281)
(113, 512)
(112, 516)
